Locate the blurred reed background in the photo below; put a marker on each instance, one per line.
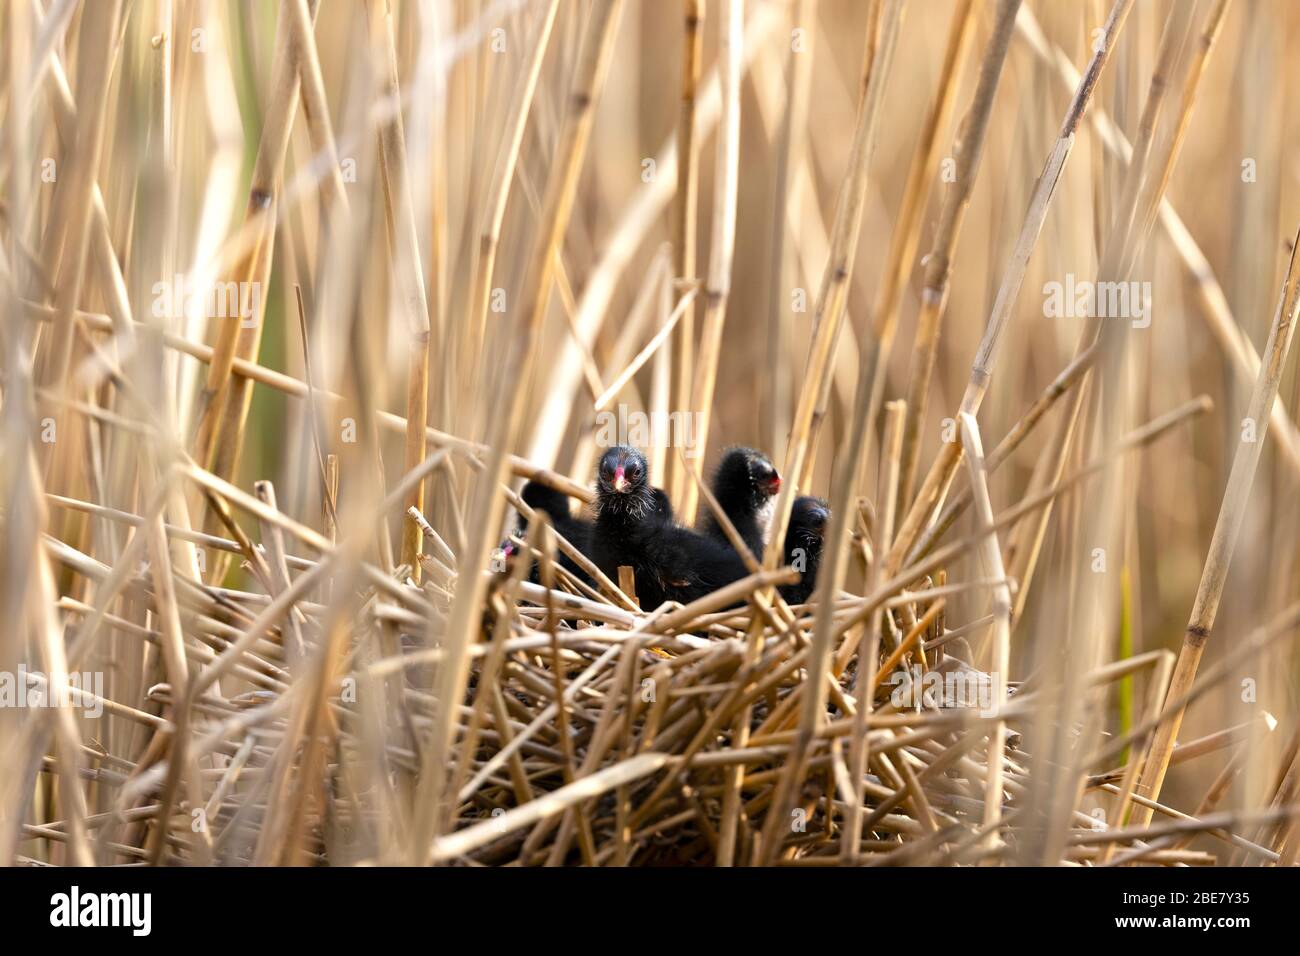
(273, 274)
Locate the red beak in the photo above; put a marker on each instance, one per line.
(774, 484)
(620, 483)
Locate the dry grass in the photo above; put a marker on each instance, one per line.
(431, 243)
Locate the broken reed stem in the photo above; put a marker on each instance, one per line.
(683, 307)
(945, 465)
(1213, 301)
(1070, 376)
(1232, 512)
(1127, 236)
(967, 151)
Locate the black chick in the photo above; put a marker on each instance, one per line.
(803, 546)
(663, 512)
(626, 516)
(577, 531)
(669, 562)
(744, 485)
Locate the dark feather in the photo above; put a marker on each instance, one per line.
(669, 562)
(803, 546)
(744, 484)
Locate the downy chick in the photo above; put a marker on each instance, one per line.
(803, 546)
(669, 562)
(744, 484)
(575, 530)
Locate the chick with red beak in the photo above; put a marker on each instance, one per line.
(634, 528)
(628, 513)
(621, 480)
